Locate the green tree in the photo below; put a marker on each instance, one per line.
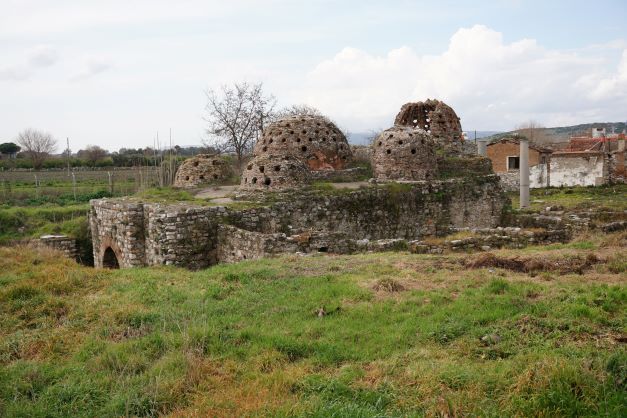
(9, 148)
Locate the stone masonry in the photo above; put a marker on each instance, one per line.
(141, 234)
(201, 169)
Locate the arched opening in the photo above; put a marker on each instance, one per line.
(110, 260)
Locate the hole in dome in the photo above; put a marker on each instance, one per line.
(388, 151)
(341, 146)
(310, 139)
(303, 148)
(297, 139)
(318, 123)
(323, 139)
(391, 136)
(277, 168)
(288, 125)
(215, 176)
(413, 150)
(316, 132)
(202, 177)
(323, 249)
(426, 126)
(254, 180)
(270, 141)
(304, 131)
(195, 163)
(262, 168)
(291, 132)
(186, 177)
(264, 149)
(334, 139)
(380, 143)
(410, 134)
(267, 181)
(250, 166)
(415, 121)
(280, 133)
(344, 157)
(400, 142)
(282, 139)
(422, 141)
(245, 179)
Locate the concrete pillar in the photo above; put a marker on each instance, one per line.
(482, 147)
(524, 173)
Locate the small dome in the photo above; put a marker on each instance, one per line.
(435, 117)
(270, 172)
(314, 140)
(200, 169)
(404, 153)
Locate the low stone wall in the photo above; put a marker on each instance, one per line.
(61, 243)
(129, 233)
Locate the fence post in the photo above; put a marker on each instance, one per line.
(36, 186)
(110, 183)
(74, 185)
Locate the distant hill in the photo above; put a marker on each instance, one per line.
(559, 137)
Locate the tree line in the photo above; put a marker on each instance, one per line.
(235, 116)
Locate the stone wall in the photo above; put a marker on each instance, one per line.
(197, 236)
(579, 169)
(61, 243)
(538, 177)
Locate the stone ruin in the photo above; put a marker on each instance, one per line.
(292, 148)
(424, 142)
(404, 153)
(441, 188)
(201, 169)
(434, 116)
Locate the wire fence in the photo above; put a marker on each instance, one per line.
(33, 186)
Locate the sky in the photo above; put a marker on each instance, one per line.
(114, 73)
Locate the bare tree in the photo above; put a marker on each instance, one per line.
(532, 130)
(236, 116)
(93, 154)
(300, 110)
(37, 145)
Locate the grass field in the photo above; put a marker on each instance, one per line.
(369, 335)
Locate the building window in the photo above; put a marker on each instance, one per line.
(513, 163)
(543, 160)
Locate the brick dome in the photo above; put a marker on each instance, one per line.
(314, 140)
(404, 153)
(434, 116)
(272, 172)
(200, 169)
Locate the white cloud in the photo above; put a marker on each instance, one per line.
(43, 56)
(491, 84)
(93, 66)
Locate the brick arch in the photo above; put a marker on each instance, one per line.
(106, 244)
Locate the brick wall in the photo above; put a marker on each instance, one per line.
(499, 152)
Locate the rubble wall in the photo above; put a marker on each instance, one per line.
(200, 236)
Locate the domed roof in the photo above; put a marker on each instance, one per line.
(273, 172)
(202, 168)
(434, 116)
(314, 140)
(404, 153)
